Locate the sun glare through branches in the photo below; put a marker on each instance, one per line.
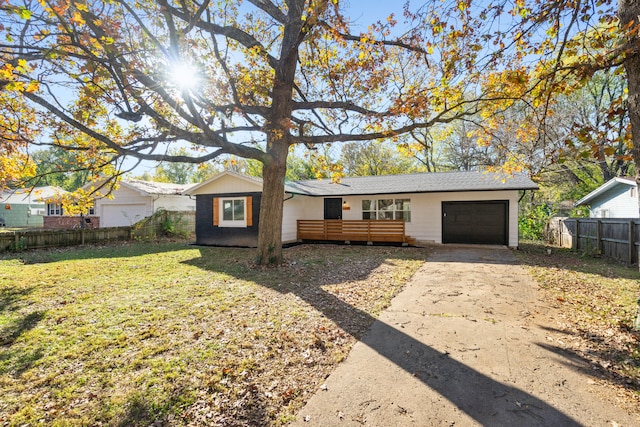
(185, 76)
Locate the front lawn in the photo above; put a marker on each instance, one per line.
(596, 304)
(165, 333)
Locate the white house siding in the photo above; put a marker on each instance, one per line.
(173, 203)
(293, 211)
(620, 202)
(426, 211)
(299, 207)
(227, 184)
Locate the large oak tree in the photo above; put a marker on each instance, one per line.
(110, 79)
(115, 79)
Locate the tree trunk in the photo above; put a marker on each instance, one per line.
(271, 206)
(628, 11)
(274, 170)
(279, 140)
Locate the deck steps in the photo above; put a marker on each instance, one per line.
(410, 240)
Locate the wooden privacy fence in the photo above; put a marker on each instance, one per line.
(37, 239)
(180, 223)
(610, 237)
(392, 231)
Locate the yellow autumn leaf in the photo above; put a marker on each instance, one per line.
(16, 86)
(33, 86)
(77, 18)
(7, 71)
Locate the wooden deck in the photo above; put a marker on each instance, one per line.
(388, 231)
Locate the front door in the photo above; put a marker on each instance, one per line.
(333, 208)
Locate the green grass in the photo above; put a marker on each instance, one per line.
(131, 334)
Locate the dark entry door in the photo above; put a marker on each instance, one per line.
(333, 208)
(475, 222)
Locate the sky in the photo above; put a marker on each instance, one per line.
(365, 12)
(362, 12)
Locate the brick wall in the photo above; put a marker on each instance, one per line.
(57, 222)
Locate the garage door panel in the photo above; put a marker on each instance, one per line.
(462, 219)
(122, 215)
(481, 222)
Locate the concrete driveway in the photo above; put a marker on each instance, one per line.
(466, 343)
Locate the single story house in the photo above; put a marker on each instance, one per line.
(26, 207)
(449, 207)
(135, 200)
(617, 198)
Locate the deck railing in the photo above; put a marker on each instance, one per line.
(352, 230)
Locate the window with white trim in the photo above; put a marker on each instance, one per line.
(233, 212)
(54, 209)
(387, 209)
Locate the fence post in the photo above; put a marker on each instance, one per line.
(632, 243)
(575, 244)
(557, 233)
(599, 236)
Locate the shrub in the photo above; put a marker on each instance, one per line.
(533, 222)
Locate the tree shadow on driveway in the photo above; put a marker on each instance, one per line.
(487, 401)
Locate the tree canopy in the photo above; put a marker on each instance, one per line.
(122, 78)
(111, 79)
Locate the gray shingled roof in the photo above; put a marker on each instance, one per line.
(414, 183)
(31, 195)
(165, 188)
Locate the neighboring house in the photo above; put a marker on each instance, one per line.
(27, 207)
(57, 218)
(617, 198)
(449, 207)
(135, 200)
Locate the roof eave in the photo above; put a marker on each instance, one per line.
(193, 190)
(326, 194)
(603, 188)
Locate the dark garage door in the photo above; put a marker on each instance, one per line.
(475, 222)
